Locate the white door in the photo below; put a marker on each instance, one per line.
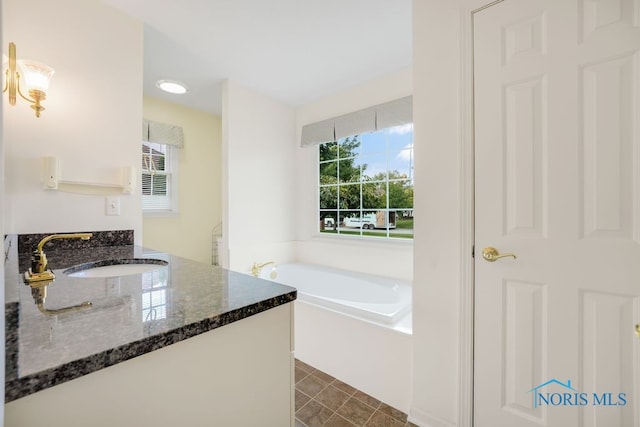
(557, 171)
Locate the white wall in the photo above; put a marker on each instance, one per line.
(441, 375)
(259, 177)
(92, 117)
(2, 338)
(188, 233)
(394, 259)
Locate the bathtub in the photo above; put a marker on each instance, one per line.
(373, 298)
(355, 327)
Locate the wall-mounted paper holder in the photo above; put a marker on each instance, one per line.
(52, 181)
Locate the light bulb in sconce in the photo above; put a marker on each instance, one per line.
(34, 75)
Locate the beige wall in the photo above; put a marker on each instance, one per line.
(92, 117)
(189, 232)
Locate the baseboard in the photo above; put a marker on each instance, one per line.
(425, 419)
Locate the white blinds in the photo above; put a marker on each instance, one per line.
(393, 113)
(157, 185)
(162, 133)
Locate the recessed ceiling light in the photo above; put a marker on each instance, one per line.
(172, 86)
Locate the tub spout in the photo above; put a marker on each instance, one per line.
(257, 268)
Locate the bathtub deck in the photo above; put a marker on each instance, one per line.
(322, 400)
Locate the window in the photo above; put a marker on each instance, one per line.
(366, 184)
(159, 171)
(160, 166)
(155, 293)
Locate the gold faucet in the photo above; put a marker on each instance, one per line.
(256, 268)
(39, 293)
(38, 271)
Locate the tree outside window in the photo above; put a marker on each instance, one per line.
(366, 184)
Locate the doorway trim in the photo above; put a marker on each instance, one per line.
(467, 226)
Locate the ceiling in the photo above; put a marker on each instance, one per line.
(296, 51)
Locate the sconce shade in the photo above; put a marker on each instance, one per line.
(36, 75)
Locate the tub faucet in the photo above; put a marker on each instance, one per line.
(38, 271)
(256, 268)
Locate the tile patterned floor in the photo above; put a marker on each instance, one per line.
(324, 401)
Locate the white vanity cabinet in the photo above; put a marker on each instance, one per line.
(237, 375)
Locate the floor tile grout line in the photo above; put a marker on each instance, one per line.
(308, 401)
(303, 378)
(336, 411)
(312, 398)
(370, 416)
(330, 384)
(350, 395)
(364, 403)
(321, 404)
(305, 395)
(336, 414)
(310, 370)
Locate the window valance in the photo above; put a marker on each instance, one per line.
(162, 133)
(393, 113)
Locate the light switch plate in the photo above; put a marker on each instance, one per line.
(112, 207)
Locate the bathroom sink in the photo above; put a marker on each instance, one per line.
(115, 267)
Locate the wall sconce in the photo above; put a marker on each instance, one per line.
(36, 79)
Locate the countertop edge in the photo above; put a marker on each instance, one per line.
(16, 388)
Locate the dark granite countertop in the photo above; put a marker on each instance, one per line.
(130, 316)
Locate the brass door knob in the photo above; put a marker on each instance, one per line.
(491, 254)
(638, 330)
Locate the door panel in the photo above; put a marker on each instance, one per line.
(525, 166)
(605, 320)
(557, 182)
(607, 146)
(524, 344)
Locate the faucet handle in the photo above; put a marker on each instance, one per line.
(38, 261)
(256, 268)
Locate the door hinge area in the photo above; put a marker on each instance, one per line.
(473, 251)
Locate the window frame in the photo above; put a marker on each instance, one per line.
(385, 235)
(156, 283)
(171, 170)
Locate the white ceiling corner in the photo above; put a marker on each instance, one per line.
(295, 51)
